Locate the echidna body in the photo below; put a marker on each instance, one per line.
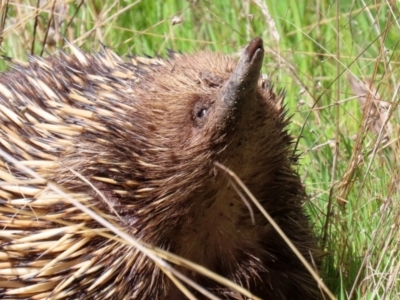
(137, 142)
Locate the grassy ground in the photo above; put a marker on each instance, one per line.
(311, 48)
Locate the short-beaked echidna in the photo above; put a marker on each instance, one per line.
(138, 141)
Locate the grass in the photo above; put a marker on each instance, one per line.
(311, 47)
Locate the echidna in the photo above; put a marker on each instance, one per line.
(137, 141)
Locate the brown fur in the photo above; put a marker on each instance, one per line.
(140, 138)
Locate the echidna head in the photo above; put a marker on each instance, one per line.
(191, 112)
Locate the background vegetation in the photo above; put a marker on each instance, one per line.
(312, 47)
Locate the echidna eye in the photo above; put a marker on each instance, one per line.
(201, 113)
